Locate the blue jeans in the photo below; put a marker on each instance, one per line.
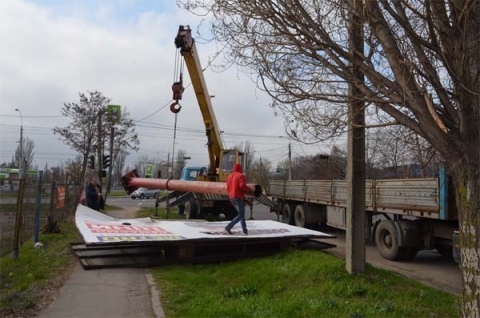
(239, 205)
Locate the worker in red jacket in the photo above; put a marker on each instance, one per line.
(237, 187)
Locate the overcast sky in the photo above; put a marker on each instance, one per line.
(54, 49)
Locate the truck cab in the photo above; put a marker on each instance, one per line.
(192, 173)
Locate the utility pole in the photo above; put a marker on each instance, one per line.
(99, 147)
(21, 163)
(289, 161)
(114, 116)
(355, 235)
(112, 134)
(169, 172)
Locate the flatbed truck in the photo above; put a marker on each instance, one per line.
(404, 215)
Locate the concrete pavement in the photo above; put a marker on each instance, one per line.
(108, 293)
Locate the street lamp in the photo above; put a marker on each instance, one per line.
(20, 164)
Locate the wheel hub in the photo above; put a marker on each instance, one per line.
(388, 240)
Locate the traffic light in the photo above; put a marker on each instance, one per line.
(91, 162)
(106, 161)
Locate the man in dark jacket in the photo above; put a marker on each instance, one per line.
(93, 195)
(237, 187)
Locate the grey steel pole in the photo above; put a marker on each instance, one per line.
(355, 232)
(20, 160)
(39, 206)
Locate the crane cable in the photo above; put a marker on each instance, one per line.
(175, 107)
(177, 86)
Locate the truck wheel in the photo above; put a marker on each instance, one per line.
(181, 210)
(386, 239)
(287, 215)
(201, 212)
(445, 250)
(299, 216)
(191, 210)
(230, 213)
(407, 253)
(142, 196)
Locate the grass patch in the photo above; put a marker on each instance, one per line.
(160, 213)
(295, 284)
(27, 280)
(109, 207)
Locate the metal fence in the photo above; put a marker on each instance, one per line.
(26, 205)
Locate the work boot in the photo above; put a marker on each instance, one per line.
(227, 230)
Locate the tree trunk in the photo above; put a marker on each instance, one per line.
(467, 169)
(468, 204)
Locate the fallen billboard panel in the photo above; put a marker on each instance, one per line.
(111, 242)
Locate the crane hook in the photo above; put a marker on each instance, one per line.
(173, 107)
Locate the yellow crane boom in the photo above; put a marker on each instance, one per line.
(221, 160)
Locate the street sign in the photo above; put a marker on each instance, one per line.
(149, 171)
(115, 111)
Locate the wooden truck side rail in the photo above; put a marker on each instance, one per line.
(419, 197)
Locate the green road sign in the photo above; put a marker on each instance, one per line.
(148, 171)
(116, 111)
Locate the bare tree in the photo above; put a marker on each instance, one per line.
(180, 163)
(125, 137)
(82, 132)
(337, 163)
(118, 165)
(259, 172)
(397, 152)
(249, 149)
(27, 153)
(311, 167)
(421, 67)
(391, 150)
(74, 168)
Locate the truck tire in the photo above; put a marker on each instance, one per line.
(201, 212)
(230, 213)
(191, 210)
(299, 216)
(407, 253)
(445, 250)
(287, 214)
(181, 210)
(306, 216)
(142, 196)
(386, 239)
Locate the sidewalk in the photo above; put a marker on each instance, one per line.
(107, 293)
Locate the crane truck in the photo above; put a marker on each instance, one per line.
(221, 159)
(404, 215)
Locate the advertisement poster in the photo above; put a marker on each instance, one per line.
(96, 227)
(60, 197)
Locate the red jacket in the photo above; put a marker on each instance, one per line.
(237, 183)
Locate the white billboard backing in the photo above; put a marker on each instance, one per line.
(96, 227)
